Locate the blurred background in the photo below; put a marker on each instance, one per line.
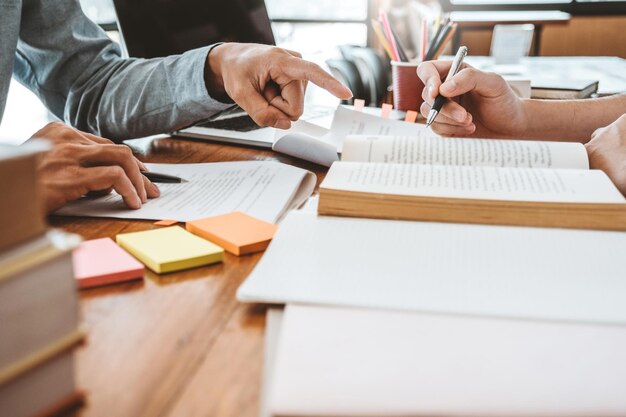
(317, 28)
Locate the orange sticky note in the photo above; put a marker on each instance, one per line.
(165, 223)
(237, 232)
(411, 116)
(102, 262)
(359, 104)
(386, 111)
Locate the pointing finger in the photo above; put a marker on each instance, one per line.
(298, 69)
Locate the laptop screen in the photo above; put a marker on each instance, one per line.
(157, 28)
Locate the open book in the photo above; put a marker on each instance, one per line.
(471, 181)
(322, 146)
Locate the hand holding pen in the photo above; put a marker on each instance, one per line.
(441, 100)
(479, 104)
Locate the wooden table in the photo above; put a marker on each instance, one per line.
(177, 344)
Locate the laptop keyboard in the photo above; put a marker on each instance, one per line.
(242, 123)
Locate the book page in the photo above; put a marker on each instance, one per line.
(490, 183)
(434, 150)
(262, 189)
(349, 122)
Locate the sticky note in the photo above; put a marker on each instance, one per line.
(411, 116)
(237, 232)
(166, 223)
(386, 112)
(359, 104)
(170, 249)
(101, 262)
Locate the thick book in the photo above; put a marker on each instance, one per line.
(39, 326)
(505, 182)
(563, 89)
(21, 216)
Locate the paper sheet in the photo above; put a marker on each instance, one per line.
(262, 189)
(354, 362)
(511, 184)
(558, 274)
(349, 122)
(432, 150)
(313, 143)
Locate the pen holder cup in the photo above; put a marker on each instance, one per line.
(407, 87)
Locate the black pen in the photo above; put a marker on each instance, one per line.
(162, 178)
(441, 100)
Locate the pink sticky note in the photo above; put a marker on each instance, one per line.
(386, 111)
(411, 116)
(102, 262)
(359, 104)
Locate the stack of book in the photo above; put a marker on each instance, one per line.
(38, 298)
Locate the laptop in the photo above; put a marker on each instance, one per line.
(152, 29)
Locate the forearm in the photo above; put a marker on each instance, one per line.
(133, 98)
(571, 120)
(79, 74)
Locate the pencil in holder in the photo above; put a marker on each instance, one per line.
(407, 86)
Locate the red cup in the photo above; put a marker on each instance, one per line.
(407, 86)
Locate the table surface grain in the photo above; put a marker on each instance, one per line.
(177, 344)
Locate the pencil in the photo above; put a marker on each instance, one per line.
(401, 51)
(385, 23)
(378, 30)
(448, 37)
(434, 43)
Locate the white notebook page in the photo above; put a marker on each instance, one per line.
(262, 189)
(356, 362)
(501, 271)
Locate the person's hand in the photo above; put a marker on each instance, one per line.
(267, 82)
(607, 151)
(483, 105)
(80, 163)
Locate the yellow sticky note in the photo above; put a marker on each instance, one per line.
(411, 116)
(170, 249)
(237, 232)
(386, 112)
(359, 104)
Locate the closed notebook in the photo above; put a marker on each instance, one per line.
(102, 262)
(237, 232)
(334, 362)
(170, 249)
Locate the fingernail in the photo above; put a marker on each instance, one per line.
(137, 203)
(142, 167)
(431, 89)
(283, 124)
(460, 115)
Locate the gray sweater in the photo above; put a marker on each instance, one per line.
(68, 61)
